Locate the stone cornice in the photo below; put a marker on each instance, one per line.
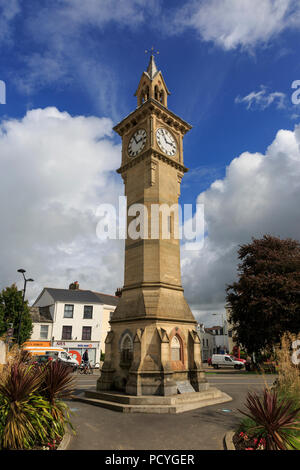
(152, 106)
(153, 318)
(152, 154)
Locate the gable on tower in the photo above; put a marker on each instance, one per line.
(152, 85)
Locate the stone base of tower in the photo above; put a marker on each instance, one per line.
(160, 358)
(154, 404)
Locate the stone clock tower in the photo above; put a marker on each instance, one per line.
(153, 348)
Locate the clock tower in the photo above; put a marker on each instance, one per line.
(153, 347)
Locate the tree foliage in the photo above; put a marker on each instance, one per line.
(264, 301)
(11, 307)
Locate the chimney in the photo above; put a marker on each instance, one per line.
(74, 285)
(118, 292)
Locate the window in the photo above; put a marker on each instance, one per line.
(88, 312)
(175, 349)
(44, 331)
(126, 350)
(66, 332)
(68, 312)
(228, 359)
(86, 333)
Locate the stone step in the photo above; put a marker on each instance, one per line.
(156, 399)
(151, 405)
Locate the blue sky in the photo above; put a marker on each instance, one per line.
(229, 69)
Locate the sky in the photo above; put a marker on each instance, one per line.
(71, 69)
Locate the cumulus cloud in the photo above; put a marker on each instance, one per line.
(233, 23)
(259, 194)
(262, 99)
(55, 171)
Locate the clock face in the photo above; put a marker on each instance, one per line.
(166, 141)
(137, 142)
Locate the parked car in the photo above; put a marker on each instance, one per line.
(238, 359)
(225, 360)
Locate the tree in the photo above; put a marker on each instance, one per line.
(265, 301)
(11, 307)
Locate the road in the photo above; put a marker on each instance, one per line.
(202, 429)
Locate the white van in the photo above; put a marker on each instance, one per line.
(55, 353)
(224, 360)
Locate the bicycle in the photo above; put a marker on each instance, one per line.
(85, 368)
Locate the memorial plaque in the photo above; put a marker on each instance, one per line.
(185, 387)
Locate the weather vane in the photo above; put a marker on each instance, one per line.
(151, 51)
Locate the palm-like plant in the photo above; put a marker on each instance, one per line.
(57, 383)
(25, 415)
(275, 419)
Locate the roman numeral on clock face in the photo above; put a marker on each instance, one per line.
(137, 142)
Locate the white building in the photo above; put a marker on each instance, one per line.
(208, 344)
(221, 338)
(74, 319)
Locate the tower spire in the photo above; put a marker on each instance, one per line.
(152, 84)
(152, 69)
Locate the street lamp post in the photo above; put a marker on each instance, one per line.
(22, 271)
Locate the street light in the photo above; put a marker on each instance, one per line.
(22, 271)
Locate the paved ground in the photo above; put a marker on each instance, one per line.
(102, 429)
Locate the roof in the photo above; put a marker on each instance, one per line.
(79, 295)
(41, 315)
(214, 328)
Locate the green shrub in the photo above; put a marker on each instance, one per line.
(32, 412)
(24, 414)
(57, 383)
(274, 420)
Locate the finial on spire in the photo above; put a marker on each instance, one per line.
(151, 51)
(152, 69)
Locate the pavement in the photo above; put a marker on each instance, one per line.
(203, 429)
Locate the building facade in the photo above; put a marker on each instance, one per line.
(220, 338)
(208, 342)
(74, 319)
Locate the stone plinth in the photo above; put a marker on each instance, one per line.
(154, 404)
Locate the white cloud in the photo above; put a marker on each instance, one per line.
(260, 194)
(233, 23)
(262, 99)
(55, 171)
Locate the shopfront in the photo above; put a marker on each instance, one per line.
(39, 344)
(77, 348)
